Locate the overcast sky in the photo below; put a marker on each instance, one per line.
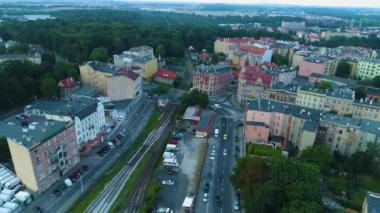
(333, 3)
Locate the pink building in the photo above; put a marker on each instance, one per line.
(212, 79)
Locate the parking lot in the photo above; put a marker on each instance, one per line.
(172, 196)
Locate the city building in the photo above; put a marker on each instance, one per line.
(34, 58)
(66, 86)
(83, 92)
(212, 79)
(256, 81)
(165, 77)
(348, 135)
(317, 64)
(285, 93)
(142, 57)
(116, 83)
(283, 124)
(222, 45)
(257, 55)
(42, 150)
(318, 77)
(86, 113)
(371, 203)
(368, 69)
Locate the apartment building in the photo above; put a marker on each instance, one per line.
(285, 93)
(116, 83)
(86, 113)
(317, 64)
(280, 123)
(42, 150)
(368, 69)
(293, 25)
(142, 57)
(257, 55)
(222, 45)
(256, 81)
(212, 79)
(366, 109)
(35, 58)
(347, 135)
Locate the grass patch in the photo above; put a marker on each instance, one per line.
(262, 150)
(150, 196)
(81, 204)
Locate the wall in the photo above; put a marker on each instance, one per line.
(256, 133)
(307, 68)
(307, 139)
(120, 88)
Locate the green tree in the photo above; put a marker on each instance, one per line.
(279, 59)
(376, 81)
(360, 93)
(214, 58)
(48, 86)
(19, 48)
(99, 54)
(160, 51)
(318, 155)
(299, 206)
(324, 85)
(343, 70)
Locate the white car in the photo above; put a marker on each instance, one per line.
(236, 204)
(168, 182)
(225, 152)
(205, 197)
(213, 150)
(212, 156)
(217, 106)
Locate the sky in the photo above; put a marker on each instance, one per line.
(332, 3)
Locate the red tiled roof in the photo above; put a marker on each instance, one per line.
(253, 73)
(67, 83)
(165, 74)
(254, 50)
(128, 73)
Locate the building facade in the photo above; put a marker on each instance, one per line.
(212, 79)
(118, 84)
(321, 65)
(42, 150)
(35, 58)
(368, 69)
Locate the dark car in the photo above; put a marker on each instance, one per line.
(207, 187)
(218, 178)
(85, 168)
(37, 209)
(238, 194)
(73, 178)
(208, 177)
(171, 172)
(217, 200)
(57, 192)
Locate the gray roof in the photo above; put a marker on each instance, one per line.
(142, 59)
(310, 125)
(103, 67)
(334, 78)
(358, 123)
(85, 91)
(284, 88)
(367, 103)
(81, 107)
(373, 202)
(266, 105)
(214, 69)
(38, 130)
(122, 105)
(345, 93)
(318, 59)
(279, 69)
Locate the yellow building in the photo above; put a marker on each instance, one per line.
(368, 69)
(221, 45)
(118, 84)
(42, 150)
(148, 65)
(297, 59)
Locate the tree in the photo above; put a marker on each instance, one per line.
(49, 86)
(299, 206)
(214, 58)
(318, 155)
(160, 51)
(19, 48)
(343, 70)
(376, 81)
(360, 93)
(99, 54)
(279, 59)
(323, 85)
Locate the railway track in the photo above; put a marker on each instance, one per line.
(137, 195)
(111, 191)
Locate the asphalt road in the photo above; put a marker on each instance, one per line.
(134, 126)
(221, 166)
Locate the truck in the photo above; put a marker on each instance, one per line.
(12, 183)
(216, 133)
(171, 147)
(169, 155)
(170, 162)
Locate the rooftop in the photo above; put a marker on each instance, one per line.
(254, 50)
(318, 59)
(343, 93)
(85, 91)
(102, 67)
(333, 78)
(377, 61)
(279, 69)
(214, 68)
(358, 123)
(31, 131)
(80, 108)
(165, 74)
(67, 83)
(266, 105)
(373, 202)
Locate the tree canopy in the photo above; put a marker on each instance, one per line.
(194, 97)
(343, 70)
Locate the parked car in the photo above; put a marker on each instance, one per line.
(225, 136)
(217, 106)
(208, 177)
(236, 204)
(57, 192)
(207, 186)
(171, 172)
(212, 156)
(168, 182)
(225, 152)
(213, 150)
(73, 178)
